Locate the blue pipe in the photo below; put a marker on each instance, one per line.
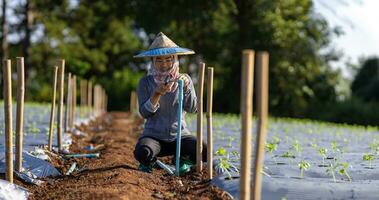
(179, 134)
(165, 167)
(86, 155)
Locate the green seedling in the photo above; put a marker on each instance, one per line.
(287, 154)
(322, 152)
(314, 145)
(297, 147)
(224, 163)
(369, 158)
(303, 165)
(343, 170)
(221, 151)
(236, 154)
(287, 139)
(271, 147)
(332, 168)
(230, 139)
(276, 140)
(374, 146)
(334, 146)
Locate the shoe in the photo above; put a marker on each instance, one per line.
(185, 166)
(145, 168)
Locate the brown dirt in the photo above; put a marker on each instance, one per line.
(114, 174)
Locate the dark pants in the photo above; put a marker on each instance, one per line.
(148, 149)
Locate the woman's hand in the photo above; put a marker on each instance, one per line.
(185, 79)
(163, 88)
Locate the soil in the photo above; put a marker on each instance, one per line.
(115, 174)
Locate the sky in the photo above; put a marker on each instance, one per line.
(359, 19)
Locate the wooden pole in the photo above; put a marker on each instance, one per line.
(200, 91)
(246, 120)
(89, 99)
(81, 83)
(95, 100)
(20, 112)
(74, 95)
(209, 121)
(7, 84)
(85, 97)
(61, 64)
(132, 103)
(262, 100)
(51, 127)
(106, 103)
(68, 103)
(102, 101)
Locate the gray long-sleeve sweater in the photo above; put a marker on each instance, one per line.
(162, 120)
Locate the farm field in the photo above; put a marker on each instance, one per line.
(303, 159)
(36, 126)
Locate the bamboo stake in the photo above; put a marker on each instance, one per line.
(200, 91)
(74, 95)
(85, 95)
(7, 84)
(262, 100)
(61, 64)
(246, 120)
(81, 85)
(101, 93)
(89, 99)
(51, 127)
(209, 121)
(20, 112)
(102, 101)
(106, 103)
(132, 103)
(95, 96)
(68, 103)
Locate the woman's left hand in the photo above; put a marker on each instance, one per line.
(185, 79)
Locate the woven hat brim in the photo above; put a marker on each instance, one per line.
(165, 52)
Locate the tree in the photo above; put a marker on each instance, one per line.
(4, 26)
(366, 83)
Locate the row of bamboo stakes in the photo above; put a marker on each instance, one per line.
(199, 152)
(247, 86)
(246, 108)
(93, 100)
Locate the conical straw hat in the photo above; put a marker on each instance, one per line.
(163, 46)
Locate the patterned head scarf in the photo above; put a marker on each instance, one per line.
(171, 74)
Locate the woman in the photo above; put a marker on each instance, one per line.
(158, 104)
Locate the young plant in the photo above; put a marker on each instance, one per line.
(343, 170)
(236, 154)
(230, 139)
(322, 152)
(369, 158)
(276, 140)
(334, 146)
(314, 145)
(224, 164)
(332, 168)
(303, 165)
(287, 154)
(271, 147)
(297, 147)
(374, 146)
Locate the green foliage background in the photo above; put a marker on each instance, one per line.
(98, 39)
